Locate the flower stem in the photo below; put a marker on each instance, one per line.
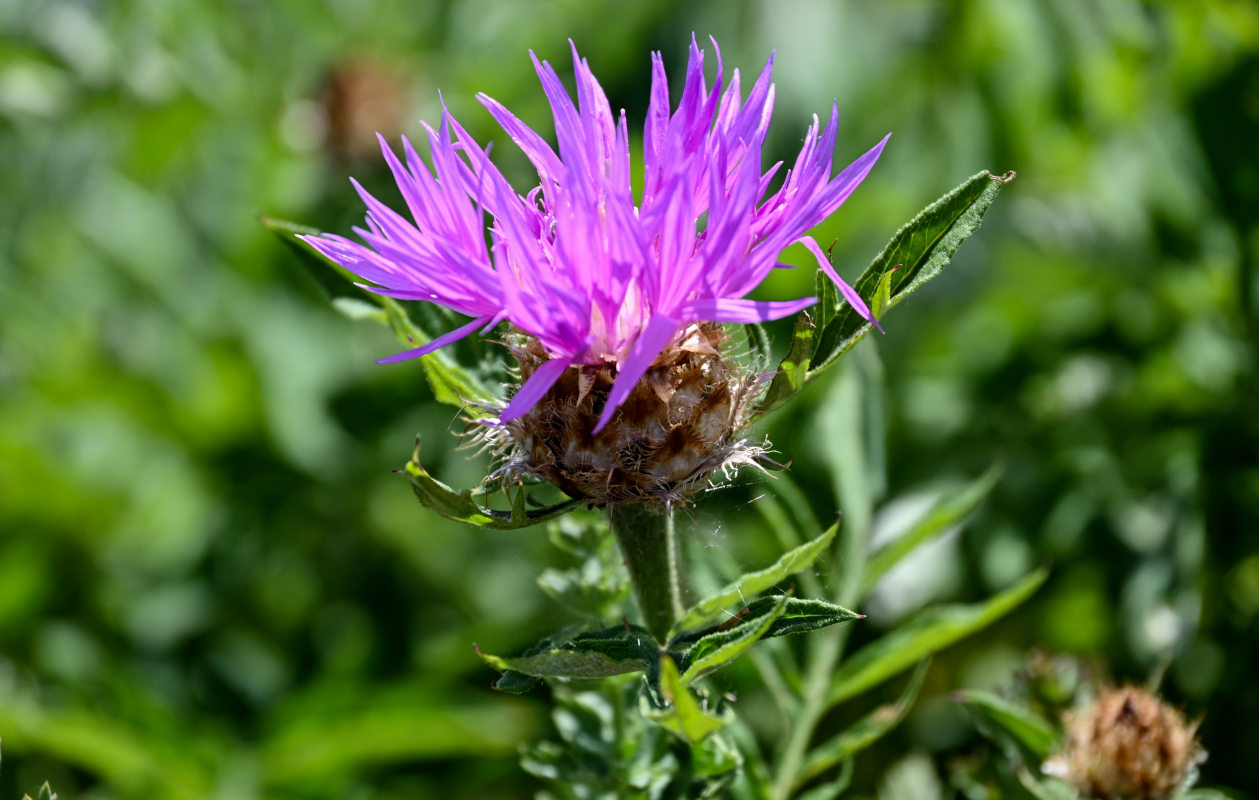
(647, 542)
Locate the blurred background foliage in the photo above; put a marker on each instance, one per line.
(212, 585)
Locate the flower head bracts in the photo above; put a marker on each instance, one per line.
(596, 276)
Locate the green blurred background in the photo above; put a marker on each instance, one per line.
(211, 583)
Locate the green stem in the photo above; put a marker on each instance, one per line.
(646, 538)
(856, 494)
(825, 650)
(823, 658)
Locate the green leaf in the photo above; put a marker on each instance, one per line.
(596, 583)
(1033, 735)
(683, 715)
(754, 583)
(589, 591)
(930, 631)
(831, 789)
(766, 618)
(413, 323)
(718, 649)
(882, 299)
(793, 370)
(1045, 788)
(1205, 794)
(598, 654)
(513, 682)
(45, 793)
(922, 248)
(462, 507)
(355, 729)
(947, 512)
(865, 731)
(802, 615)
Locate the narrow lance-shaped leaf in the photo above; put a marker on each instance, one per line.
(922, 248)
(831, 789)
(726, 644)
(462, 507)
(929, 632)
(765, 618)
(802, 615)
(598, 654)
(946, 513)
(1026, 729)
(754, 583)
(450, 382)
(865, 731)
(683, 715)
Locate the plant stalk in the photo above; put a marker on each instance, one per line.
(824, 652)
(647, 543)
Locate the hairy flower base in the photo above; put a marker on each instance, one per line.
(677, 427)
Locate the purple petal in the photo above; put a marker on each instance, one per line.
(838, 190)
(722, 309)
(849, 293)
(534, 146)
(439, 342)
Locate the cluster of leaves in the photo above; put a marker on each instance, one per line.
(696, 647)
(605, 745)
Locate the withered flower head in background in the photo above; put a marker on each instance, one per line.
(1128, 745)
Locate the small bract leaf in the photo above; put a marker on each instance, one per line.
(882, 299)
(929, 632)
(597, 654)
(865, 731)
(461, 507)
(683, 715)
(754, 583)
(1033, 734)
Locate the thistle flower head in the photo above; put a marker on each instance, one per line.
(607, 286)
(1128, 745)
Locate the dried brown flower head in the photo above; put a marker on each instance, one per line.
(679, 425)
(361, 97)
(1128, 746)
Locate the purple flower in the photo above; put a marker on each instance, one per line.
(598, 276)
